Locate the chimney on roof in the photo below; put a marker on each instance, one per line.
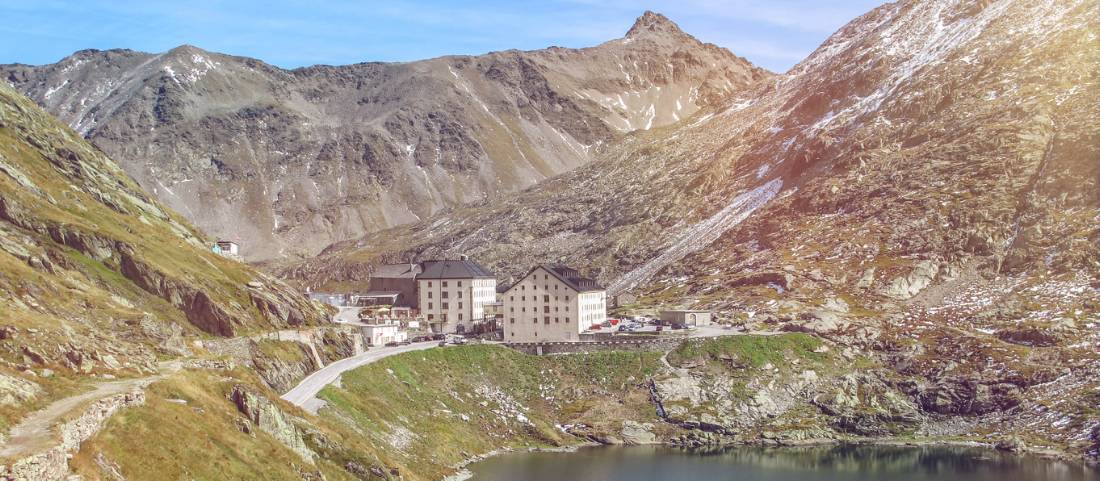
(463, 257)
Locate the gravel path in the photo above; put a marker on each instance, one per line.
(35, 433)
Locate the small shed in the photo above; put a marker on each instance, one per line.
(687, 317)
(227, 247)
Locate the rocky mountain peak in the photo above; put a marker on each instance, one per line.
(339, 136)
(653, 23)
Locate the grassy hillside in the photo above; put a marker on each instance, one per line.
(95, 276)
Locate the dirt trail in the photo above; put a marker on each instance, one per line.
(35, 433)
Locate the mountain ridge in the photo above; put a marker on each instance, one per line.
(290, 161)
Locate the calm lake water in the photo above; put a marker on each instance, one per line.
(825, 463)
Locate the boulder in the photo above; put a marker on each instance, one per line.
(14, 390)
(638, 433)
(1011, 444)
(907, 286)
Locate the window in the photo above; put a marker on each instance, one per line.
(460, 294)
(444, 294)
(535, 320)
(444, 283)
(513, 334)
(429, 294)
(547, 319)
(460, 314)
(429, 283)
(545, 277)
(523, 298)
(523, 309)
(567, 320)
(460, 305)
(547, 287)
(429, 305)
(512, 298)
(555, 308)
(511, 320)
(459, 283)
(445, 306)
(511, 309)
(567, 298)
(546, 309)
(431, 316)
(566, 308)
(556, 321)
(545, 298)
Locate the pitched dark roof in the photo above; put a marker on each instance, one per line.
(460, 269)
(396, 271)
(570, 277)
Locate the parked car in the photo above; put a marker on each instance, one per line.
(392, 344)
(406, 342)
(439, 337)
(458, 341)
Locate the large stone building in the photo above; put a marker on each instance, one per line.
(453, 294)
(396, 282)
(552, 303)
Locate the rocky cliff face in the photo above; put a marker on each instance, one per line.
(923, 186)
(290, 161)
(96, 276)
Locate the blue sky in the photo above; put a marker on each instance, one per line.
(775, 34)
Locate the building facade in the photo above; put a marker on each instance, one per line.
(378, 334)
(551, 304)
(390, 279)
(686, 317)
(453, 294)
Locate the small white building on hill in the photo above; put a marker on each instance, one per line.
(552, 303)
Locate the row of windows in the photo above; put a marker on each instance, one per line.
(545, 298)
(535, 287)
(536, 309)
(444, 306)
(546, 320)
(442, 316)
(444, 294)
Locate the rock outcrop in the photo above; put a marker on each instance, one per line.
(265, 416)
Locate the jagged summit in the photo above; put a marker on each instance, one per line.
(653, 22)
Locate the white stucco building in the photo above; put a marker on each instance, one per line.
(453, 294)
(552, 303)
(378, 334)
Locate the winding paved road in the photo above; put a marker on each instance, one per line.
(304, 394)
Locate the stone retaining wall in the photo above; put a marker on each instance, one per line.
(543, 348)
(53, 464)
